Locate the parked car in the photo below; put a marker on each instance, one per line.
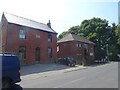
(10, 69)
(67, 61)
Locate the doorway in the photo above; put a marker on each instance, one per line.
(37, 54)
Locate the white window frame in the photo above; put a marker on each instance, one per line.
(22, 33)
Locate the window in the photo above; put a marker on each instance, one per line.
(22, 34)
(92, 50)
(78, 45)
(58, 48)
(49, 38)
(49, 52)
(22, 52)
(85, 46)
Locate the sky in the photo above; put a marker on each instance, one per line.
(63, 14)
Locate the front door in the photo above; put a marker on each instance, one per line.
(37, 54)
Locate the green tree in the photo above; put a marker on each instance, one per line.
(118, 33)
(74, 30)
(63, 34)
(113, 46)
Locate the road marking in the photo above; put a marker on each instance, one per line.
(70, 82)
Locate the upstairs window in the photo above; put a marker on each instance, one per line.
(78, 45)
(49, 38)
(22, 34)
(85, 46)
(58, 48)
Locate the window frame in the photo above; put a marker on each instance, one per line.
(58, 48)
(85, 45)
(22, 52)
(49, 53)
(49, 38)
(78, 45)
(22, 33)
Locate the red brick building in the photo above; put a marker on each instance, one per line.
(78, 47)
(31, 40)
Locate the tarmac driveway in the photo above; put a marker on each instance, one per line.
(43, 70)
(40, 68)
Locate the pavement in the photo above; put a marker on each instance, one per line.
(43, 70)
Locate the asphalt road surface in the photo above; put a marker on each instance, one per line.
(97, 76)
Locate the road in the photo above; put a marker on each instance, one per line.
(98, 76)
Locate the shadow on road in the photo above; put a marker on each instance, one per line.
(98, 64)
(14, 87)
(17, 87)
(40, 68)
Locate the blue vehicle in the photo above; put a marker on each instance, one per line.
(10, 69)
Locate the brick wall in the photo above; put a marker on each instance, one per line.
(69, 49)
(3, 33)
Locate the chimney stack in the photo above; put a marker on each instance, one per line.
(49, 24)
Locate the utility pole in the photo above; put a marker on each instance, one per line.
(107, 52)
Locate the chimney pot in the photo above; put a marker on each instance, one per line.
(49, 24)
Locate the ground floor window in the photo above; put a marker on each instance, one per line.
(22, 52)
(49, 52)
(58, 48)
(37, 54)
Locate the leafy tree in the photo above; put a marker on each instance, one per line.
(63, 34)
(113, 46)
(118, 33)
(74, 30)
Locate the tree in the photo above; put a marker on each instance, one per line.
(113, 46)
(74, 30)
(63, 34)
(118, 33)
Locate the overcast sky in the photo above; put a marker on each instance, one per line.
(62, 13)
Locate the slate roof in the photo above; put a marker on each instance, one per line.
(27, 22)
(72, 37)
